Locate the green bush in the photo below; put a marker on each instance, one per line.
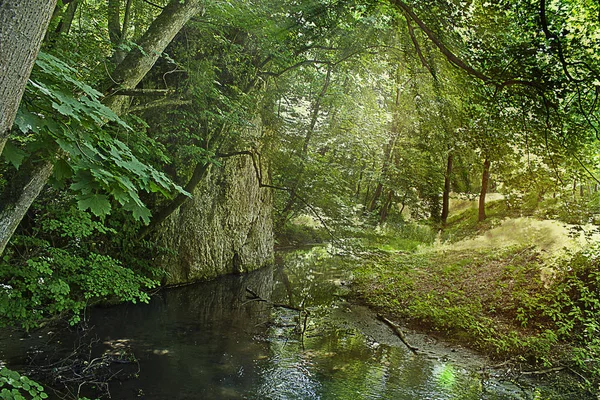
(64, 264)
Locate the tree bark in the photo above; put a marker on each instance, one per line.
(18, 198)
(376, 194)
(388, 151)
(358, 183)
(114, 21)
(64, 27)
(137, 63)
(23, 24)
(387, 205)
(446, 195)
(403, 203)
(116, 32)
(485, 178)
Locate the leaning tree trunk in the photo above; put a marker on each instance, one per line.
(129, 73)
(388, 151)
(64, 27)
(23, 24)
(485, 178)
(18, 197)
(446, 195)
(137, 63)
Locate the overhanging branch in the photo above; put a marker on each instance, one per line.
(411, 33)
(450, 56)
(159, 104)
(142, 92)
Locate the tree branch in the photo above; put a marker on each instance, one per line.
(398, 333)
(255, 297)
(153, 4)
(298, 64)
(142, 92)
(160, 103)
(411, 33)
(554, 42)
(198, 174)
(450, 56)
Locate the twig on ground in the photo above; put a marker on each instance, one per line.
(398, 333)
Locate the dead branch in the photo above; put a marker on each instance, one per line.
(160, 103)
(142, 92)
(255, 297)
(398, 333)
(543, 371)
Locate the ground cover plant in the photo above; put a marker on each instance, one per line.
(525, 302)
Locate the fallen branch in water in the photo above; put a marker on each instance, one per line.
(70, 374)
(542, 371)
(398, 333)
(256, 297)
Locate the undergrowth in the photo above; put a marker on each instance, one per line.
(495, 301)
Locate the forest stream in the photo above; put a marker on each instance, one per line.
(286, 332)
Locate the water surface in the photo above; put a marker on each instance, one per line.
(216, 341)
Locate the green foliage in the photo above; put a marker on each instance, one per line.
(95, 162)
(14, 386)
(64, 267)
(402, 237)
(571, 307)
(295, 233)
(465, 224)
(504, 302)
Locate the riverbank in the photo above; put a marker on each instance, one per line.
(303, 340)
(518, 290)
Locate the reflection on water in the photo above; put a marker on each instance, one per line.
(212, 341)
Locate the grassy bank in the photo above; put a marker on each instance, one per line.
(508, 288)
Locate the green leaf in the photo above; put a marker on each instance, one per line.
(27, 121)
(97, 203)
(139, 212)
(120, 195)
(13, 154)
(62, 170)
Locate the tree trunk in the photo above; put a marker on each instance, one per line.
(130, 72)
(316, 108)
(387, 205)
(485, 177)
(388, 151)
(376, 196)
(64, 27)
(114, 21)
(358, 184)
(116, 32)
(446, 195)
(137, 64)
(388, 158)
(18, 198)
(403, 203)
(23, 24)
